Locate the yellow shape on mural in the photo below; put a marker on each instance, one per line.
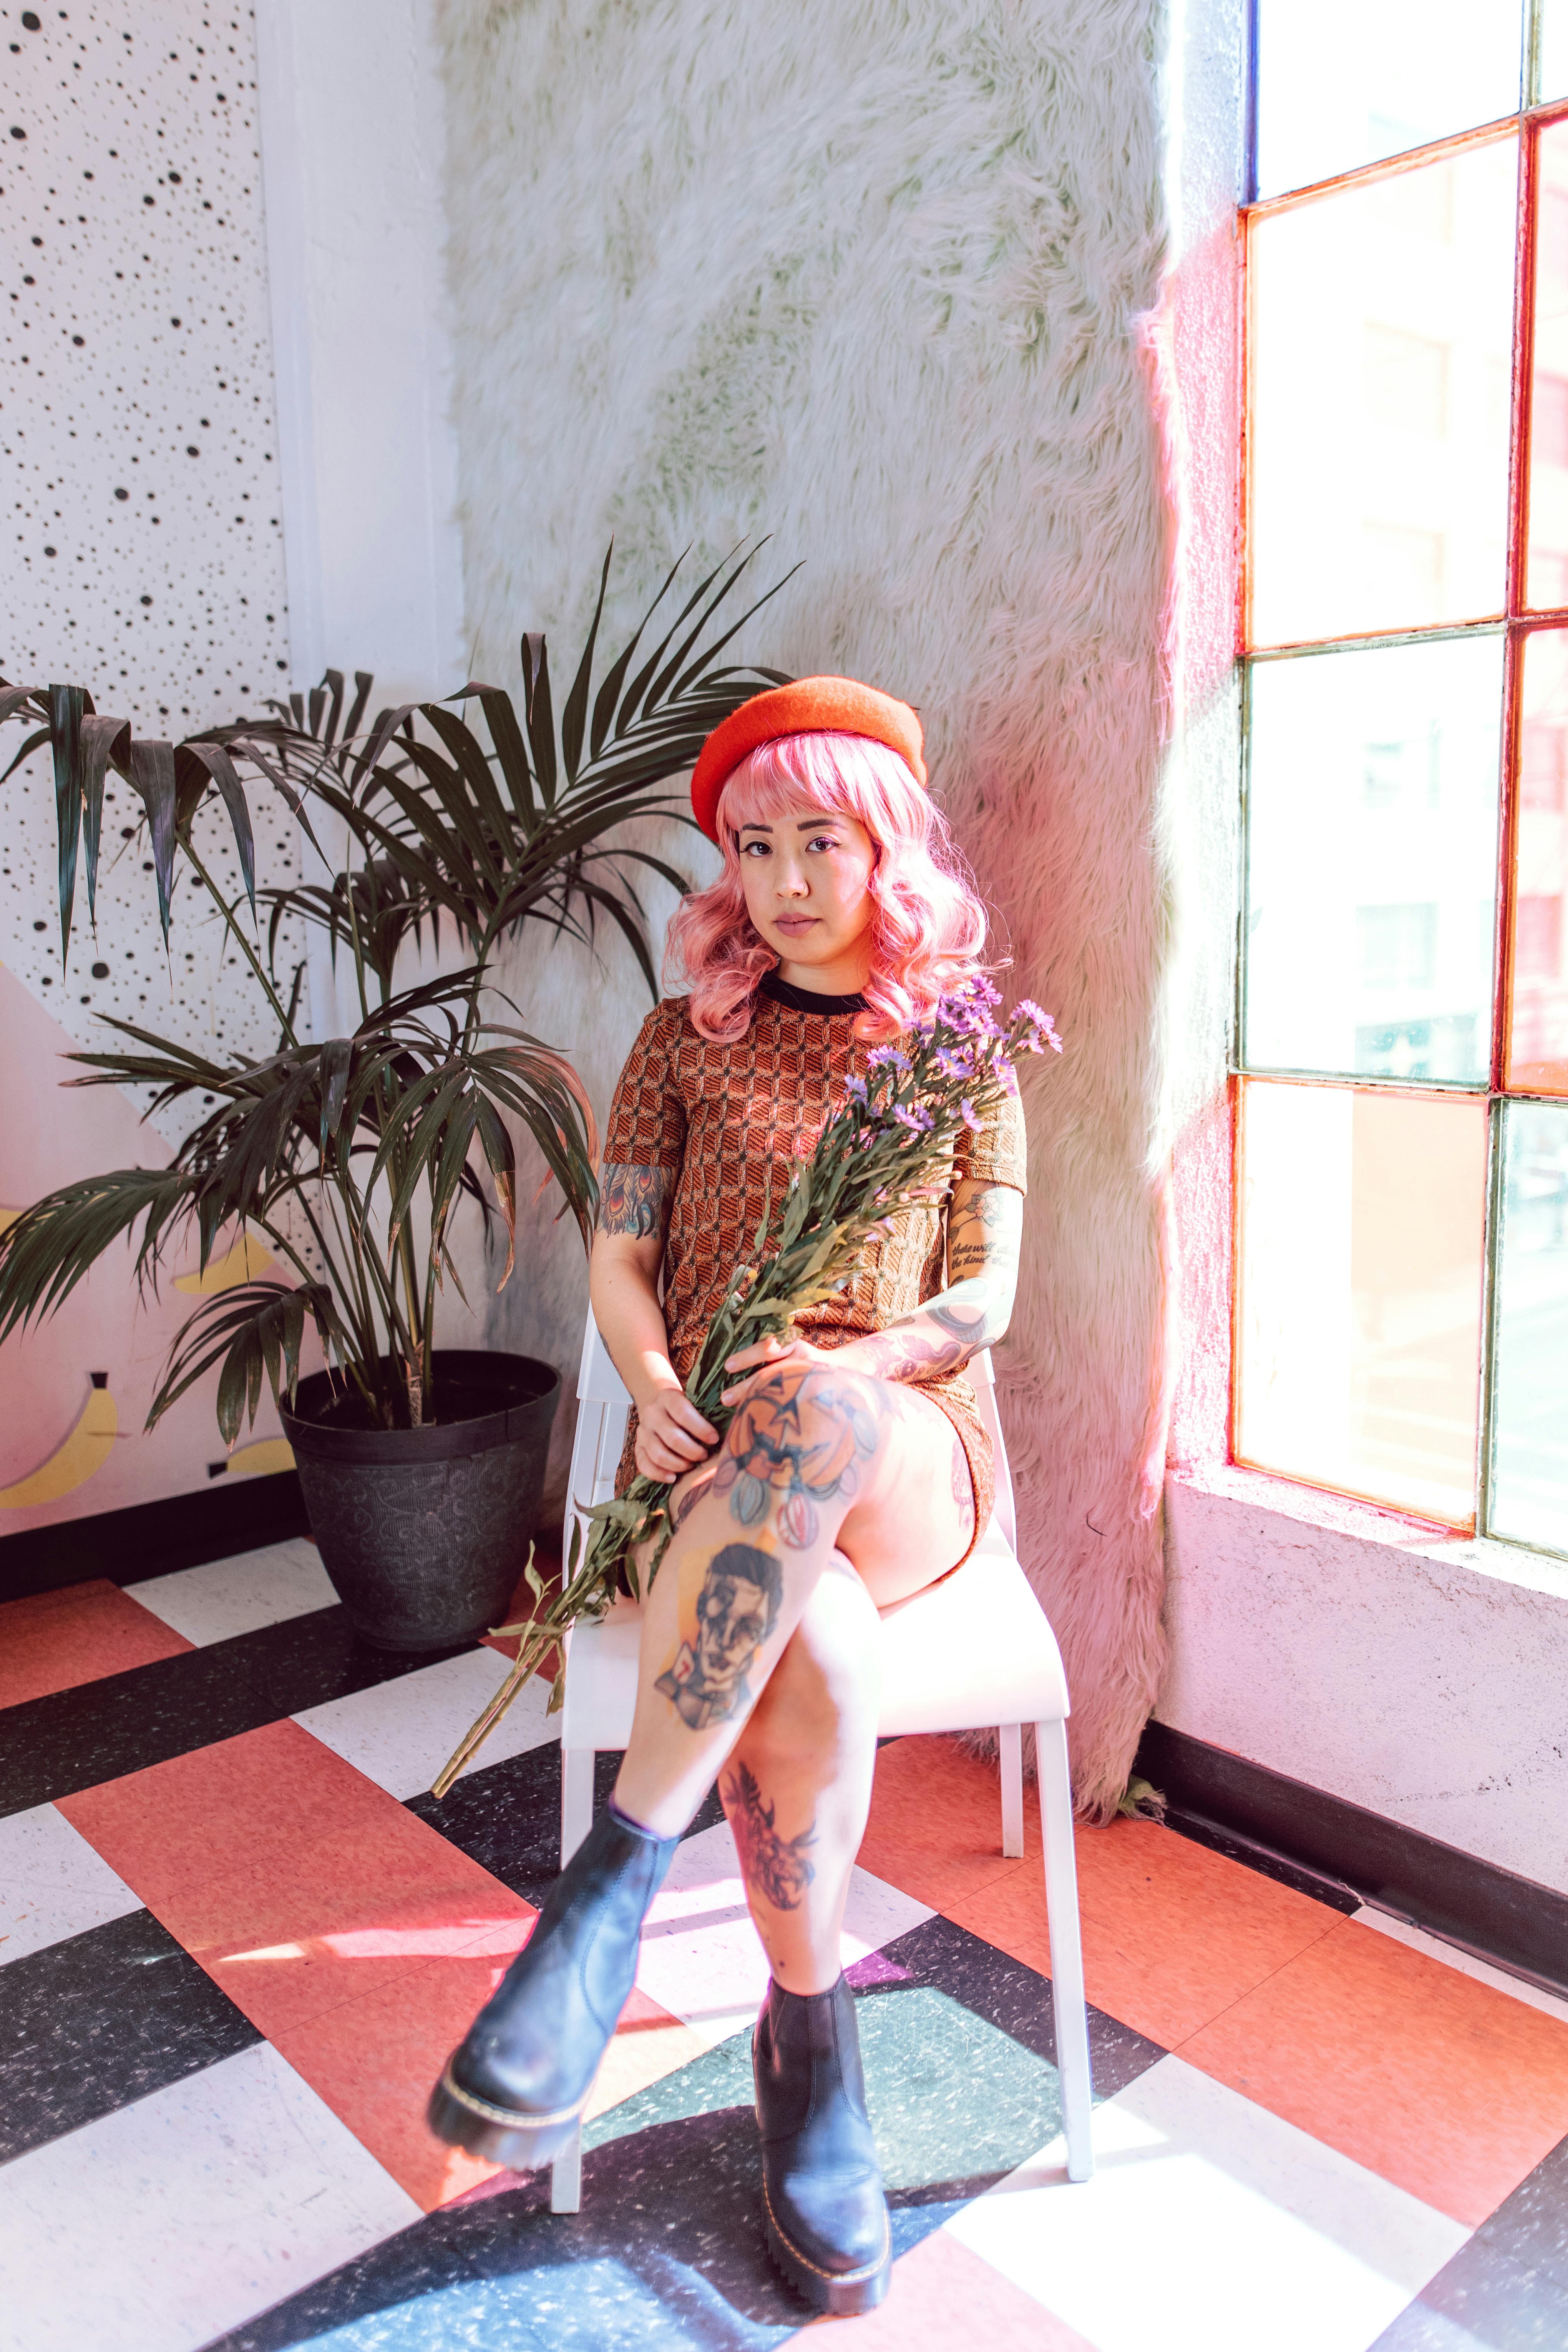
(85, 1451)
(243, 1263)
(261, 1459)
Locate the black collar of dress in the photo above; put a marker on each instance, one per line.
(805, 1000)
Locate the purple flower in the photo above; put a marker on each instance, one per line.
(856, 1089)
(883, 1057)
(955, 1066)
(969, 1115)
(1008, 1076)
(916, 1117)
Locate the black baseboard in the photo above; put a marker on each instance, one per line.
(149, 1538)
(1338, 1850)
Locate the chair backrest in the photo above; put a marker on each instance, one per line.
(603, 1404)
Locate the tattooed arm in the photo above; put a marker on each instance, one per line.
(628, 1250)
(985, 1227)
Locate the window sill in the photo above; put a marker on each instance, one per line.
(1312, 1506)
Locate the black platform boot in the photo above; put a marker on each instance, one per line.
(514, 2089)
(823, 2207)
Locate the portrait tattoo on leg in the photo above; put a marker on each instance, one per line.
(736, 1610)
(775, 1867)
(797, 1439)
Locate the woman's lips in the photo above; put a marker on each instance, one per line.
(794, 923)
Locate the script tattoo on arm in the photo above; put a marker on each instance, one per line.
(736, 1610)
(985, 1228)
(636, 1201)
(774, 1867)
(798, 1438)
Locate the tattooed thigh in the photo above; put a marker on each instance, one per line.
(963, 1487)
(801, 1437)
(775, 1867)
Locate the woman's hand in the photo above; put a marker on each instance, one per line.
(672, 1436)
(747, 1361)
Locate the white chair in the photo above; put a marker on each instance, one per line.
(973, 1652)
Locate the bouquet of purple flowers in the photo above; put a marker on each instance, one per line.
(889, 1143)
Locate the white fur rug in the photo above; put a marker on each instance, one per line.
(874, 278)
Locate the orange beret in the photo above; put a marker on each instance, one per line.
(808, 706)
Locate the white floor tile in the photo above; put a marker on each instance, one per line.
(399, 1734)
(1210, 2226)
(1452, 1958)
(701, 1958)
(52, 1884)
(174, 2219)
(235, 1596)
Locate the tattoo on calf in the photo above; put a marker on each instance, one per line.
(736, 1610)
(775, 1867)
(634, 1200)
(797, 1439)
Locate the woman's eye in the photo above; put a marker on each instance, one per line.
(824, 841)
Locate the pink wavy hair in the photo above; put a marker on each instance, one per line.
(928, 927)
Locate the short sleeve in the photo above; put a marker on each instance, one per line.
(647, 1116)
(999, 1152)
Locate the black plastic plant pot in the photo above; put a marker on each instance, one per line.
(425, 1532)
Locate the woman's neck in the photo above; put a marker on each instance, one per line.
(845, 975)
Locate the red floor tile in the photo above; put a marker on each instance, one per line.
(1173, 1934)
(935, 1829)
(944, 2296)
(53, 1641)
(354, 1936)
(1442, 2086)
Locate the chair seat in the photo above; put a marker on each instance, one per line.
(966, 1655)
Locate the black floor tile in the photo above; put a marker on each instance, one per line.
(74, 1738)
(89, 2024)
(1482, 2302)
(507, 1817)
(1532, 2226)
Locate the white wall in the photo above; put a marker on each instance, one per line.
(1422, 1678)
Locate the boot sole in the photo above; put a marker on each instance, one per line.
(520, 2142)
(844, 2294)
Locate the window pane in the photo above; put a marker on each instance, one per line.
(1361, 1218)
(1547, 564)
(1538, 1016)
(1530, 1431)
(1382, 358)
(1342, 82)
(1553, 49)
(1371, 857)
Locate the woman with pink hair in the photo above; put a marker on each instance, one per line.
(855, 1471)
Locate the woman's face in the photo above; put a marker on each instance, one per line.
(807, 876)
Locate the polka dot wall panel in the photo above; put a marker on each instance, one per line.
(145, 549)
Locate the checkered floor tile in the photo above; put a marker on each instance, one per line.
(237, 1939)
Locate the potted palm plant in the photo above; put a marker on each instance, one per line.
(454, 822)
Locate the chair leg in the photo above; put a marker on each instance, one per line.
(1067, 1949)
(1011, 1759)
(576, 1799)
(566, 2177)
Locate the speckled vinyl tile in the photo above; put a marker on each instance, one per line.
(158, 2226)
(667, 2247)
(399, 1734)
(60, 1641)
(225, 1597)
(52, 1884)
(1507, 2289)
(104, 2018)
(507, 1817)
(942, 2298)
(1210, 2225)
(1449, 2088)
(74, 1738)
(297, 1883)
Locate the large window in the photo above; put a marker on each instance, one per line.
(1401, 1179)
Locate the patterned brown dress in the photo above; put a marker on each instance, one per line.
(732, 1119)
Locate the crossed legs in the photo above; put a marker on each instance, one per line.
(834, 1494)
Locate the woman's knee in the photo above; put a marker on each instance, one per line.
(798, 1449)
(827, 1678)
